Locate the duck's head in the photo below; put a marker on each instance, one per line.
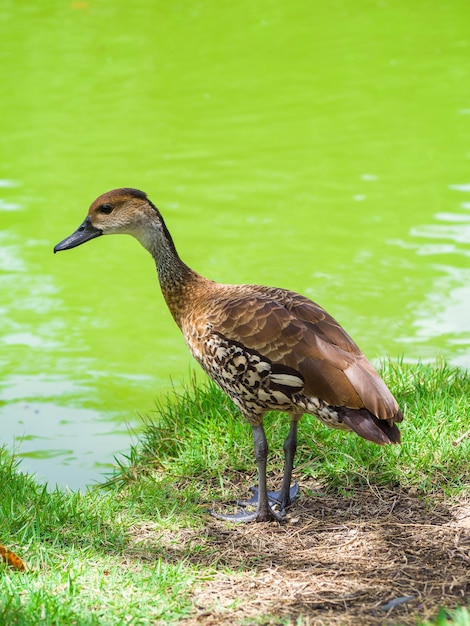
(126, 210)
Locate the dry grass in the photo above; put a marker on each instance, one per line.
(376, 557)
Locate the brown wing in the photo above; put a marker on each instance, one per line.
(291, 330)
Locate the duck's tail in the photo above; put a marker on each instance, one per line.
(370, 427)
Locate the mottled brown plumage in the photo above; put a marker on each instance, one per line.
(269, 349)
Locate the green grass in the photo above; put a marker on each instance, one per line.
(198, 437)
(458, 617)
(87, 563)
(75, 547)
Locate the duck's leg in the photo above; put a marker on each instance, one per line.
(287, 494)
(264, 512)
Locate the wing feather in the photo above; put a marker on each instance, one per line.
(293, 332)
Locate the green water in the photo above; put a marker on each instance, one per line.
(322, 147)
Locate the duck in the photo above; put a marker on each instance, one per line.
(268, 348)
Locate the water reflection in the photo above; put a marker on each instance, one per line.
(44, 416)
(443, 318)
(307, 147)
(442, 321)
(81, 441)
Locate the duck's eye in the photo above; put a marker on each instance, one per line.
(106, 208)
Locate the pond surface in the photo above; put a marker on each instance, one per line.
(323, 147)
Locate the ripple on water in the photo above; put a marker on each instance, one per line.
(69, 446)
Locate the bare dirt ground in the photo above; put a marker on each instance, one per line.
(375, 557)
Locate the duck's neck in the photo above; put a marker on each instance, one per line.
(175, 277)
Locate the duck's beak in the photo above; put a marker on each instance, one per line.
(84, 232)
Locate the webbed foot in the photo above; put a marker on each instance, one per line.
(246, 516)
(273, 496)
